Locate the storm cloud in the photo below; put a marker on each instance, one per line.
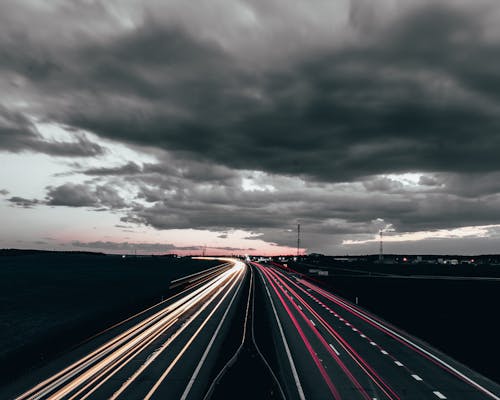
(18, 133)
(388, 103)
(147, 247)
(81, 195)
(22, 202)
(269, 114)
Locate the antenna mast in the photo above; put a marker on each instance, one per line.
(381, 248)
(298, 240)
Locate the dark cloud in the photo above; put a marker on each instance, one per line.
(131, 168)
(426, 180)
(18, 133)
(236, 249)
(469, 185)
(147, 247)
(126, 246)
(22, 202)
(4, 192)
(71, 195)
(82, 195)
(383, 184)
(411, 90)
(394, 103)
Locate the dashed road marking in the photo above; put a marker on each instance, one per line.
(384, 352)
(334, 349)
(399, 364)
(416, 377)
(439, 394)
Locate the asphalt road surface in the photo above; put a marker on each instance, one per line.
(319, 346)
(330, 348)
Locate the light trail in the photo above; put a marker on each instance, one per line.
(389, 331)
(188, 344)
(209, 347)
(293, 368)
(374, 376)
(333, 390)
(149, 361)
(88, 374)
(49, 384)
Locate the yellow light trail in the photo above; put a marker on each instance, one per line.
(148, 362)
(96, 368)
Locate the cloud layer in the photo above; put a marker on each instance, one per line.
(279, 113)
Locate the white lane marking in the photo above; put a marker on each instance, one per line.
(363, 336)
(285, 343)
(373, 343)
(416, 377)
(312, 322)
(348, 324)
(399, 364)
(300, 308)
(334, 349)
(384, 352)
(354, 329)
(210, 344)
(439, 394)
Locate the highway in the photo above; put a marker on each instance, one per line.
(200, 344)
(164, 352)
(330, 348)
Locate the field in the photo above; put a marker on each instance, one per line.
(51, 302)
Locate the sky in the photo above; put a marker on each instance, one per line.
(174, 126)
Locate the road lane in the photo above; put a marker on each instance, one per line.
(337, 375)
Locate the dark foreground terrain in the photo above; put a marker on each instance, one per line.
(457, 316)
(52, 302)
